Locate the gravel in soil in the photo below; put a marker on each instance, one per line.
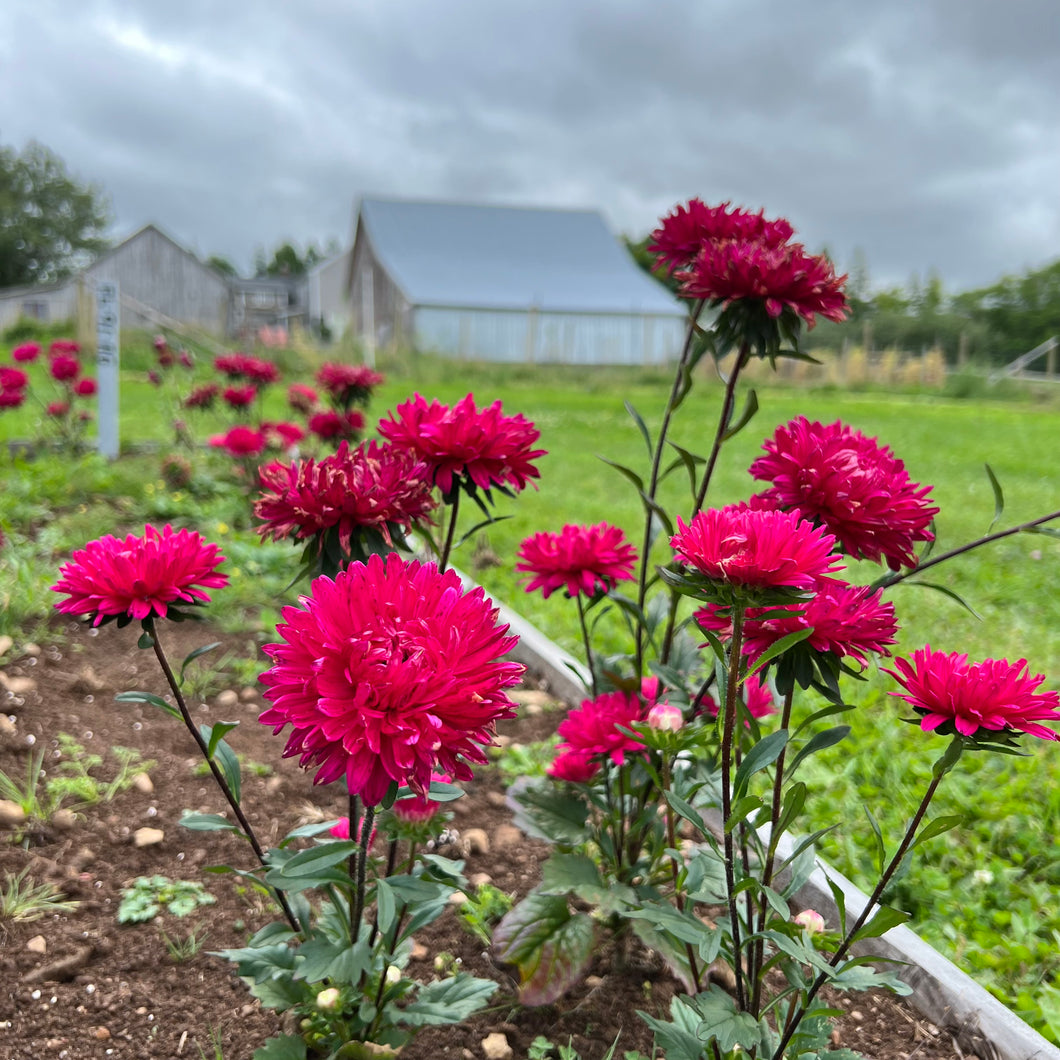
(80, 985)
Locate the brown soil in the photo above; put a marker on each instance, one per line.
(80, 985)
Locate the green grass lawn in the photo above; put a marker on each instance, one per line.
(984, 892)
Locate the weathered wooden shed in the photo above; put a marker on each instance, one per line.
(328, 294)
(500, 283)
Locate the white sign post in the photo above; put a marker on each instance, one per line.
(107, 358)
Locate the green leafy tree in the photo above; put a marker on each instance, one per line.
(50, 221)
(221, 264)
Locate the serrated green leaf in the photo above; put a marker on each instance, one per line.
(448, 1001)
(550, 946)
(283, 1047)
(723, 1023)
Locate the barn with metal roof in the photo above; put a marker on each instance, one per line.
(499, 283)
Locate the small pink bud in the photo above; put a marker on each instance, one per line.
(812, 921)
(329, 999)
(665, 716)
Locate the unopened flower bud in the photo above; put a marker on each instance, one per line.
(665, 716)
(393, 974)
(812, 921)
(329, 999)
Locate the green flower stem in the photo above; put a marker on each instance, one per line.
(656, 467)
(362, 869)
(771, 857)
(233, 802)
(588, 645)
(893, 579)
(723, 424)
(941, 768)
(728, 729)
(450, 533)
(675, 870)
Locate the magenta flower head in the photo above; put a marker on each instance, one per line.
(851, 485)
(387, 674)
(239, 397)
(140, 577)
(85, 387)
(64, 367)
(580, 559)
(12, 378)
(353, 494)
(577, 767)
(751, 556)
(11, 399)
(241, 441)
(202, 397)
(27, 351)
(847, 621)
(420, 807)
(465, 446)
(329, 425)
(348, 384)
(980, 700)
(301, 398)
(593, 731)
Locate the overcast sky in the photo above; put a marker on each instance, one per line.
(924, 132)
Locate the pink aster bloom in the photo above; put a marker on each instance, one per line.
(687, 229)
(329, 425)
(140, 576)
(64, 367)
(283, 434)
(58, 409)
(27, 351)
(578, 767)
(374, 486)
(241, 441)
(757, 549)
(85, 387)
(580, 559)
(12, 378)
(482, 447)
(239, 397)
(349, 384)
(781, 277)
(302, 398)
(202, 397)
(388, 673)
(65, 346)
(847, 620)
(260, 371)
(857, 489)
(186, 359)
(993, 695)
(11, 399)
(593, 728)
(420, 807)
(341, 830)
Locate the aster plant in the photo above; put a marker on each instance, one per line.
(676, 781)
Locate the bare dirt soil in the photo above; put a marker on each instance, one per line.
(80, 985)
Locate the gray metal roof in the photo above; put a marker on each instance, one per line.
(501, 257)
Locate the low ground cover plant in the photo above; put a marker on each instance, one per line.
(730, 641)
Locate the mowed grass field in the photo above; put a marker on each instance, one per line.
(983, 892)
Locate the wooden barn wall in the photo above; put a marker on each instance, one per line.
(549, 338)
(159, 274)
(329, 297)
(47, 304)
(391, 314)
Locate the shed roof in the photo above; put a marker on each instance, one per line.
(502, 257)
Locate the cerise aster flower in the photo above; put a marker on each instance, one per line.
(241, 441)
(954, 695)
(64, 366)
(851, 485)
(139, 577)
(329, 425)
(481, 448)
(389, 673)
(682, 234)
(27, 351)
(746, 548)
(349, 384)
(12, 378)
(580, 559)
(239, 397)
(375, 486)
(846, 620)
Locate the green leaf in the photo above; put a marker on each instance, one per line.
(551, 948)
(569, 874)
(741, 809)
(311, 861)
(386, 907)
(680, 923)
(778, 648)
(818, 742)
(880, 923)
(677, 1039)
(148, 697)
(950, 593)
(690, 460)
(687, 811)
(207, 822)
(213, 734)
(146, 640)
(936, 827)
(749, 409)
(641, 425)
(721, 1022)
(322, 958)
(545, 811)
(879, 851)
(448, 1001)
(229, 763)
(284, 1047)
(192, 656)
(999, 496)
(794, 800)
(763, 754)
(627, 472)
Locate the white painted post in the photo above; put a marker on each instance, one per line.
(107, 359)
